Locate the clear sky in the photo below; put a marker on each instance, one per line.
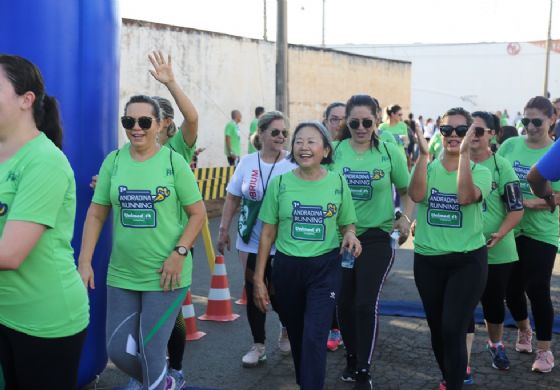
(361, 21)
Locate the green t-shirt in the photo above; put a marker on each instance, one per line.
(436, 146)
(443, 226)
(397, 131)
(232, 130)
(308, 213)
(177, 144)
(252, 130)
(370, 176)
(540, 225)
(147, 199)
(387, 137)
(45, 296)
(494, 210)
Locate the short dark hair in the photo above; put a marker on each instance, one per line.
(542, 104)
(234, 112)
(324, 136)
(26, 77)
(331, 107)
(458, 111)
(156, 110)
(491, 120)
(259, 111)
(507, 132)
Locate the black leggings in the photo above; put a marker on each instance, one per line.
(531, 275)
(494, 294)
(176, 343)
(359, 296)
(29, 362)
(450, 286)
(254, 315)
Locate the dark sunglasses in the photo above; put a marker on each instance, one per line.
(128, 122)
(276, 133)
(354, 124)
(479, 131)
(536, 122)
(447, 130)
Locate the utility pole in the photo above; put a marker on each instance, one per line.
(547, 61)
(282, 58)
(265, 37)
(323, 36)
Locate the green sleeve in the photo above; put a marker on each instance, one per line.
(482, 178)
(230, 130)
(42, 206)
(103, 187)
(177, 144)
(399, 167)
(387, 137)
(185, 182)
(507, 175)
(347, 212)
(433, 144)
(269, 209)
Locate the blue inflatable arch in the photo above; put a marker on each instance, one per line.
(76, 46)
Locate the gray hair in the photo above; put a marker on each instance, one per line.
(325, 135)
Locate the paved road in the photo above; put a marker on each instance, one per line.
(403, 358)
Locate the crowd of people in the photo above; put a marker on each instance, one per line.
(321, 211)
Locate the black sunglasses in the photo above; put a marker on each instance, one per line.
(128, 122)
(447, 130)
(536, 122)
(479, 131)
(354, 124)
(276, 133)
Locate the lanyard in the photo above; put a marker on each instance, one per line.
(269, 174)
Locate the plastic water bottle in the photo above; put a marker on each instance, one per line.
(348, 259)
(395, 235)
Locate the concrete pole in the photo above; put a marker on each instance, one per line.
(282, 58)
(265, 37)
(323, 32)
(547, 61)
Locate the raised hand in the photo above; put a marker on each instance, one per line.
(162, 72)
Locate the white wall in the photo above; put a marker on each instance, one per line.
(481, 76)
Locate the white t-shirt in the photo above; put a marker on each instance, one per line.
(248, 182)
(429, 130)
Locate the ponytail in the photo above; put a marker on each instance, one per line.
(47, 118)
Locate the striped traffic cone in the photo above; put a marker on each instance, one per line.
(190, 321)
(219, 299)
(243, 299)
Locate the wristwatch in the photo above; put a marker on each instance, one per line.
(181, 250)
(549, 196)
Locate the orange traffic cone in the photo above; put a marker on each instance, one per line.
(219, 299)
(190, 320)
(243, 299)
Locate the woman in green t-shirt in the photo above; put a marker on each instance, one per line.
(371, 168)
(302, 213)
(536, 237)
(450, 256)
(148, 187)
(43, 304)
(502, 211)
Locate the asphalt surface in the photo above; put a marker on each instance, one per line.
(403, 357)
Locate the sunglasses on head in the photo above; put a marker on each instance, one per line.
(354, 124)
(128, 122)
(276, 133)
(536, 122)
(447, 130)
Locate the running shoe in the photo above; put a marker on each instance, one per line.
(170, 383)
(524, 338)
(180, 383)
(255, 356)
(335, 340)
(349, 373)
(284, 342)
(500, 360)
(363, 380)
(468, 377)
(544, 361)
(442, 385)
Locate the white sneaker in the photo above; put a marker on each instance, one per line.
(255, 356)
(284, 342)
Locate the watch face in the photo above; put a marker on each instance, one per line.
(181, 250)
